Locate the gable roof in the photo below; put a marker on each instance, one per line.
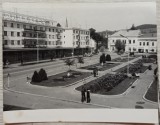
(127, 33)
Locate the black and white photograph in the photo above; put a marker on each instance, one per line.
(79, 56)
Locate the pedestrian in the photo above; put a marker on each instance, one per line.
(94, 72)
(88, 96)
(83, 96)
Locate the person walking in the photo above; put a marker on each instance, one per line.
(88, 96)
(83, 95)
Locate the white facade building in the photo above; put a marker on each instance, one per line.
(134, 40)
(23, 31)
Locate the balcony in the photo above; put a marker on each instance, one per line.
(32, 43)
(34, 29)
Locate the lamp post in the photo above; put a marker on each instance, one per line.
(128, 54)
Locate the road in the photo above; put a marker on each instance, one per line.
(37, 97)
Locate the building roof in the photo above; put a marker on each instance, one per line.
(148, 35)
(127, 33)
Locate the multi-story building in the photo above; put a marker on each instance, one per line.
(134, 41)
(23, 35)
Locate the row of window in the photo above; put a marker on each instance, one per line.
(18, 42)
(13, 42)
(18, 34)
(145, 43)
(81, 32)
(13, 25)
(80, 37)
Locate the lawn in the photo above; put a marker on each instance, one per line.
(105, 66)
(142, 69)
(61, 79)
(118, 89)
(152, 93)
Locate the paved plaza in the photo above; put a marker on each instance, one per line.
(23, 94)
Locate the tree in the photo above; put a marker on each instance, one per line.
(81, 60)
(35, 77)
(42, 75)
(97, 37)
(58, 25)
(120, 47)
(133, 27)
(102, 49)
(69, 62)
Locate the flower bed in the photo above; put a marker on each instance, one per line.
(133, 68)
(146, 60)
(122, 59)
(62, 79)
(105, 66)
(109, 84)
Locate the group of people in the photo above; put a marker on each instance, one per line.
(85, 95)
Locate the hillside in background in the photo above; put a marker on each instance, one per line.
(146, 26)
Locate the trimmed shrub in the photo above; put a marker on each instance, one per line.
(108, 57)
(35, 77)
(43, 75)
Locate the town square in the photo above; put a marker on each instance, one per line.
(48, 64)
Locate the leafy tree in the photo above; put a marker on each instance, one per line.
(133, 27)
(102, 49)
(43, 75)
(58, 25)
(69, 62)
(120, 47)
(35, 77)
(97, 37)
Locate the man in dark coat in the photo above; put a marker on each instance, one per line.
(83, 96)
(88, 96)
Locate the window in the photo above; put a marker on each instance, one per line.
(18, 42)
(5, 33)
(12, 42)
(147, 43)
(49, 30)
(113, 41)
(140, 43)
(133, 41)
(41, 28)
(11, 24)
(52, 30)
(143, 43)
(129, 41)
(49, 36)
(18, 26)
(12, 33)
(24, 26)
(5, 42)
(30, 27)
(18, 33)
(152, 43)
(5, 24)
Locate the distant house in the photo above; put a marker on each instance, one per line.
(135, 41)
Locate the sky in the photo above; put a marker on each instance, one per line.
(100, 16)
